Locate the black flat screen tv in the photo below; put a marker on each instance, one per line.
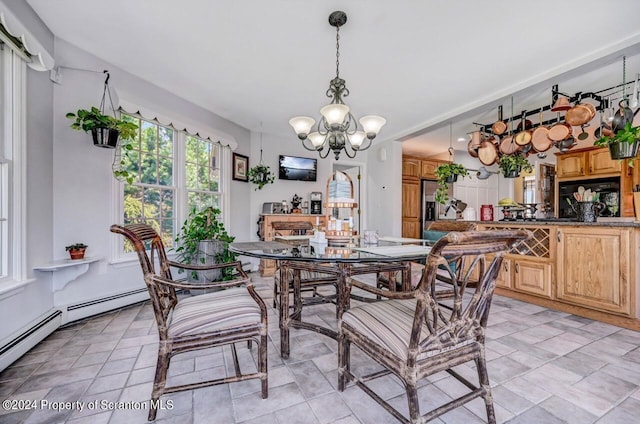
(297, 168)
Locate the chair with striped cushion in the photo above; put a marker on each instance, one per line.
(233, 314)
(413, 336)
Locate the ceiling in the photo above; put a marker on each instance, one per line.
(420, 64)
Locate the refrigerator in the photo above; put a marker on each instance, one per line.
(430, 209)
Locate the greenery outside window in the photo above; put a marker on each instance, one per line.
(173, 172)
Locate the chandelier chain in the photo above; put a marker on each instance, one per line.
(337, 52)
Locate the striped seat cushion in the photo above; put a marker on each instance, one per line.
(388, 323)
(213, 312)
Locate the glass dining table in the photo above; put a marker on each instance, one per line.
(391, 256)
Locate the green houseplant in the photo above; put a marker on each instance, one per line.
(512, 165)
(623, 144)
(99, 125)
(203, 239)
(447, 173)
(76, 250)
(261, 175)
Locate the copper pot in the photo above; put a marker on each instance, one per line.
(579, 115)
(560, 131)
(499, 127)
(487, 153)
(539, 138)
(508, 146)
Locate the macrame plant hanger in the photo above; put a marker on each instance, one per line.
(106, 137)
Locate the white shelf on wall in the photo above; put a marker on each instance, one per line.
(66, 270)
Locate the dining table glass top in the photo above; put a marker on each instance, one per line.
(348, 252)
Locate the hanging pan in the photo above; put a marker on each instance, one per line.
(487, 153)
(499, 127)
(523, 137)
(559, 131)
(539, 138)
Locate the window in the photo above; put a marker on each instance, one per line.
(174, 172)
(12, 165)
(529, 189)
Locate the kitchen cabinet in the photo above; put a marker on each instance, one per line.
(410, 209)
(594, 268)
(428, 169)
(532, 276)
(411, 168)
(586, 163)
(504, 275)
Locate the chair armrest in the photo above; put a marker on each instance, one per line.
(236, 264)
(378, 292)
(156, 279)
(260, 302)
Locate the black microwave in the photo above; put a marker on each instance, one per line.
(603, 186)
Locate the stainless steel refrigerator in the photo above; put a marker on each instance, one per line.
(430, 209)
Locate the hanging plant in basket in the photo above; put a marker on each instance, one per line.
(512, 165)
(447, 173)
(260, 174)
(623, 144)
(107, 131)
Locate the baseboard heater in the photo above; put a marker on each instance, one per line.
(105, 299)
(21, 344)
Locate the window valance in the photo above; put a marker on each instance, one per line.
(39, 58)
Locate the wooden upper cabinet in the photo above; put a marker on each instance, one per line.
(600, 162)
(411, 167)
(586, 163)
(411, 200)
(571, 165)
(428, 169)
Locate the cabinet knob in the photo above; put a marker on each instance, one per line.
(590, 169)
(517, 269)
(559, 235)
(506, 266)
(581, 171)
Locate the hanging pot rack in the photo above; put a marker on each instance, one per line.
(603, 100)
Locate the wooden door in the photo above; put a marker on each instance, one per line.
(570, 165)
(532, 277)
(504, 275)
(594, 269)
(411, 228)
(600, 162)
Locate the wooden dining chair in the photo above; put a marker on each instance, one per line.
(413, 336)
(233, 314)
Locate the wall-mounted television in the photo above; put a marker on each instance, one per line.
(297, 168)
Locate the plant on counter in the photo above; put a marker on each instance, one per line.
(261, 175)
(204, 226)
(512, 165)
(623, 144)
(447, 173)
(76, 250)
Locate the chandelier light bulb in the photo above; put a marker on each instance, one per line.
(357, 138)
(334, 114)
(371, 124)
(317, 139)
(302, 125)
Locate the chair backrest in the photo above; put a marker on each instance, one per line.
(479, 254)
(451, 225)
(295, 228)
(163, 298)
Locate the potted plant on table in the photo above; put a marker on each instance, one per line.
(76, 250)
(447, 173)
(512, 165)
(623, 144)
(204, 240)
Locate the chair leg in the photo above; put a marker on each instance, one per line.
(159, 380)
(414, 406)
(483, 377)
(344, 362)
(263, 366)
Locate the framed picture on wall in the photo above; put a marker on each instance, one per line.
(240, 167)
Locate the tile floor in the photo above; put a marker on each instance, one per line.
(545, 367)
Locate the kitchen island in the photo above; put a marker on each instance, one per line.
(586, 269)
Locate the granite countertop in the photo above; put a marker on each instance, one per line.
(566, 222)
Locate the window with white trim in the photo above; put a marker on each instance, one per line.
(12, 165)
(173, 172)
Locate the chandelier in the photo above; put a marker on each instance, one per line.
(337, 128)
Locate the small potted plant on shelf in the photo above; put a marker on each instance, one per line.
(76, 251)
(623, 144)
(261, 175)
(512, 165)
(447, 173)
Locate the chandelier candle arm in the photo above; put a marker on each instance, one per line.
(337, 129)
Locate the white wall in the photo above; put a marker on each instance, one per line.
(384, 188)
(83, 185)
